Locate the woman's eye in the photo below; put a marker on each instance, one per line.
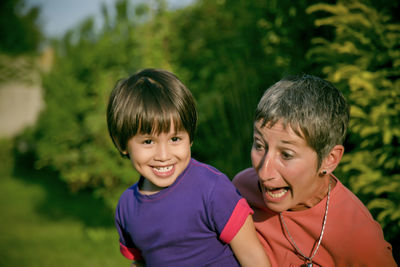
(257, 145)
(286, 155)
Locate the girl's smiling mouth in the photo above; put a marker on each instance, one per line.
(163, 171)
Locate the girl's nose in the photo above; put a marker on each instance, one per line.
(162, 152)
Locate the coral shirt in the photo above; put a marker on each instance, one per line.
(351, 237)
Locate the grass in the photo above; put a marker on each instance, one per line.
(43, 224)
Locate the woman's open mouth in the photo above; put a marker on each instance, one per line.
(275, 193)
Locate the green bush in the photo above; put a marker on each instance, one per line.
(363, 59)
(221, 59)
(20, 31)
(229, 53)
(71, 136)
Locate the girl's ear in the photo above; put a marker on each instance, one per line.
(332, 160)
(125, 154)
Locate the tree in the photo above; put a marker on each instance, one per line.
(71, 135)
(363, 59)
(19, 30)
(20, 37)
(229, 53)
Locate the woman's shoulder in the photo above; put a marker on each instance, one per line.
(247, 178)
(357, 227)
(347, 200)
(246, 182)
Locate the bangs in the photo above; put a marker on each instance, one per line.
(297, 127)
(158, 122)
(154, 112)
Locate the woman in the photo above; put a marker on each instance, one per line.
(303, 214)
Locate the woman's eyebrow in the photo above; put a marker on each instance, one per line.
(289, 142)
(257, 131)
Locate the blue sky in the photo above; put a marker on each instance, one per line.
(57, 16)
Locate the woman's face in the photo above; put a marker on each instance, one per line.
(287, 169)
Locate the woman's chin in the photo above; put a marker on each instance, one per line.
(276, 206)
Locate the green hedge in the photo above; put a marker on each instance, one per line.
(228, 53)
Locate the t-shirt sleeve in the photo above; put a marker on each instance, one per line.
(372, 243)
(228, 209)
(367, 243)
(126, 245)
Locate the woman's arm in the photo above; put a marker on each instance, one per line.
(247, 248)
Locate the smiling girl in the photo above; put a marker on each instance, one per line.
(181, 212)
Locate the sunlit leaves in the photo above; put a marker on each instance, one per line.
(363, 60)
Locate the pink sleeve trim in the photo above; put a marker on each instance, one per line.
(130, 253)
(236, 221)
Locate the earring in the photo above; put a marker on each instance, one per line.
(324, 172)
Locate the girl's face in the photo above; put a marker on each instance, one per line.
(287, 169)
(160, 159)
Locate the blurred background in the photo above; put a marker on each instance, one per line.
(60, 176)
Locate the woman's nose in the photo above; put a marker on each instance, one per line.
(266, 169)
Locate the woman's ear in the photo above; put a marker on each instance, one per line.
(332, 160)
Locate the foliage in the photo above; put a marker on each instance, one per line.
(49, 225)
(18, 68)
(229, 52)
(20, 37)
(220, 59)
(19, 28)
(363, 59)
(71, 136)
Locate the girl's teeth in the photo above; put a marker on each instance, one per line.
(163, 169)
(276, 195)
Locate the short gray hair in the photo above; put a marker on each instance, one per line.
(314, 108)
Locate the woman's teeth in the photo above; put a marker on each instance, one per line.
(277, 193)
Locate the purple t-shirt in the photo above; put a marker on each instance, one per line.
(190, 223)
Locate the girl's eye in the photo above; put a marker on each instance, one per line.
(147, 142)
(175, 139)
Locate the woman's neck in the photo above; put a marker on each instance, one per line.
(321, 191)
